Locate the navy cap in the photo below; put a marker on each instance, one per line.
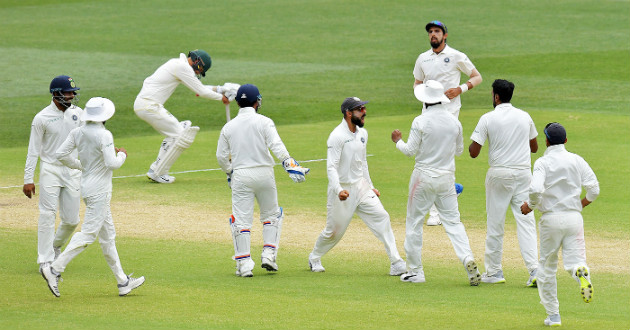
(438, 24)
(63, 84)
(247, 95)
(351, 103)
(555, 133)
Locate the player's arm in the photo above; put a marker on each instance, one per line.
(34, 147)
(223, 153)
(333, 157)
(413, 143)
(64, 153)
(478, 138)
(113, 160)
(589, 182)
(187, 76)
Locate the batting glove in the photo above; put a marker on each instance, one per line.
(296, 172)
(231, 95)
(230, 87)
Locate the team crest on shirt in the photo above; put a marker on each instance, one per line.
(363, 140)
(446, 60)
(74, 117)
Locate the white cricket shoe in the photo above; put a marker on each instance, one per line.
(413, 277)
(586, 288)
(315, 264)
(496, 278)
(473, 272)
(268, 260)
(52, 279)
(160, 178)
(531, 282)
(132, 283)
(434, 220)
(245, 267)
(553, 320)
(398, 268)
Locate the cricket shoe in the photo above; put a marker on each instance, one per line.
(315, 264)
(132, 283)
(245, 267)
(413, 277)
(268, 260)
(473, 272)
(398, 268)
(493, 279)
(434, 220)
(531, 282)
(586, 288)
(52, 279)
(165, 178)
(553, 320)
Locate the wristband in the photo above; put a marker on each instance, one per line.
(464, 87)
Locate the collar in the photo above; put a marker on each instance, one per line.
(346, 129)
(555, 149)
(246, 111)
(503, 105)
(446, 49)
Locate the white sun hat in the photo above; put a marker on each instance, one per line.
(98, 109)
(431, 92)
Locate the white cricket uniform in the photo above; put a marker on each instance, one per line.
(248, 138)
(557, 183)
(508, 131)
(156, 90)
(348, 170)
(58, 185)
(446, 68)
(435, 139)
(98, 159)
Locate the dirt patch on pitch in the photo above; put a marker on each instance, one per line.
(210, 224)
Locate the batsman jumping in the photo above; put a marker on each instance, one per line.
(157, 89)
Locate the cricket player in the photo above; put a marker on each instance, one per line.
(435, 139)
(445, 65)
(350, 189)
(557, 183)
(59, 185)
(511, 136)
(98, 158)
(156, 90)
(243, 154)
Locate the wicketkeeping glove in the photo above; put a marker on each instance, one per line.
(296, 172)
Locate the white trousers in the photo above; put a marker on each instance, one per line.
(508, 187)
(425, 191)
(363, 201)
(258, 184)
(98, 222)
(162, 121)
(59, 188)
(559, 230)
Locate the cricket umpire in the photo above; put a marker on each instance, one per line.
(59, 185)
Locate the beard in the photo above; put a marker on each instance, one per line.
(357, 120)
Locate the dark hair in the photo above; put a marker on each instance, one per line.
(504, 89)
(244, 103)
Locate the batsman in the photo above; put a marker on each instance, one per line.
(157, 89)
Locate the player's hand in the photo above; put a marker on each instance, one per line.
(396, 136)
(452, 93)
(378, 193)
(225, 100)
(525, 208)
(296, 172)
(121, 150)
(343, 195)
(29, 190)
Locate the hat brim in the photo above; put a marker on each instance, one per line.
(420, 92)
(107, 111)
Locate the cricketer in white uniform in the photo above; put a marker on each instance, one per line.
(98, 158)
(59, 185)
(511, 136)
(557, 183)
(435, 139)
(445, 65)
(157, 89)
(243, 154)
(350, 189)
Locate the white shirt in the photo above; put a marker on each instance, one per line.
(508, 131)
(445, 67)
(159, 86)
(97, 157)
(558, 179)
(248, 138)
(347, 157)
(435, 139)
(49, 129)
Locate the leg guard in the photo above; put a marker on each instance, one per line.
(271, 235)
(242, 241)
(171, 150)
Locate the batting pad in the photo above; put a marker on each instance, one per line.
(183, 142)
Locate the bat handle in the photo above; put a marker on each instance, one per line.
(227, 112)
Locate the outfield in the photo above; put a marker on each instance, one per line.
(568, 59)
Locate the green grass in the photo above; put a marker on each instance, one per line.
(568, 59)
